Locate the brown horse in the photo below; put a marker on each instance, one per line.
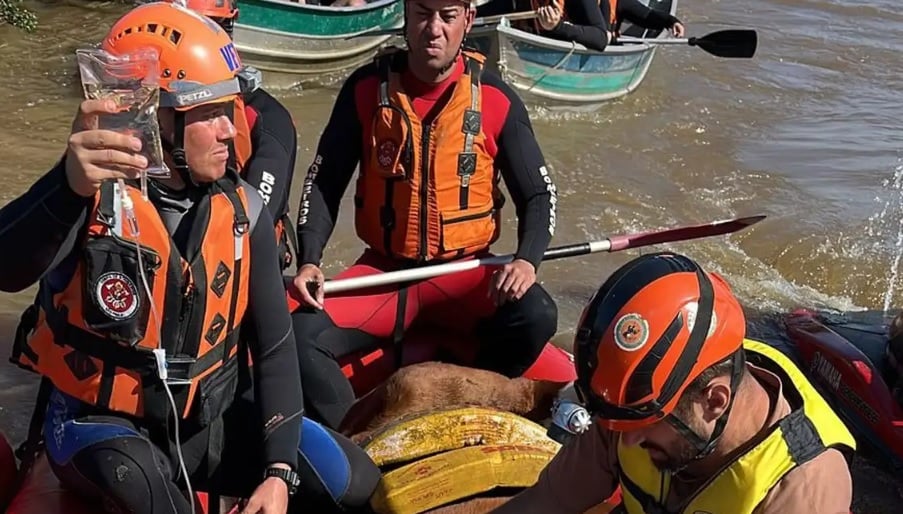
(435, 386)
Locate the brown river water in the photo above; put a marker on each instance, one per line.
(806, 132)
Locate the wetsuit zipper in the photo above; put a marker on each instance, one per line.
(185, 313)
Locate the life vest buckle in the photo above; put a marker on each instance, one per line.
(241, 226)
(179, 370)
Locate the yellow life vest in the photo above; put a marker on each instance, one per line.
(810, 429)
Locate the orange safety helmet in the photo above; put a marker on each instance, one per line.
(198, 61)
(223, 12)
(654, 326)
(223, 9)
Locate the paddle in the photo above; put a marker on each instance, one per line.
(477, 22)
(733, 43)
(611, 244)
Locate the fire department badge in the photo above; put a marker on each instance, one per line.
(631, 332)
(116, 295)
(386, 152)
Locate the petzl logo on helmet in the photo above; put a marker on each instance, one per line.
(116, 295)
(230, 56)
(195, 97)
(631, 332)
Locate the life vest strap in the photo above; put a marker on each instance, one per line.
(648, 502)
(137, 359)
(471, 126)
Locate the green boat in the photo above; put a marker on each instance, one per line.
(559, 74)
(296, 43)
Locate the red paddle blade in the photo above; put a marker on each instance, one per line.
(715, 228)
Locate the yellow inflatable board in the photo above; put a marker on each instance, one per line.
(452, 429)
(447, 477)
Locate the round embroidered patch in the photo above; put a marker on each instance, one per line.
(116, 295)
(631, 332)
(386, 153)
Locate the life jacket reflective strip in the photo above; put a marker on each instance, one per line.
(427, 191)
(94, 328)
(805, 433)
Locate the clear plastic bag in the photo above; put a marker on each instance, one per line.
(132, 81)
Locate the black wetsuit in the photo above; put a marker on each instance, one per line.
(271, 166)
(639, 14)
(585, 23)
(45, 226)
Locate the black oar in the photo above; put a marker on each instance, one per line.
(732, 43)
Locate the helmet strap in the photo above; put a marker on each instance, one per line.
(176, 149)
(704, 447)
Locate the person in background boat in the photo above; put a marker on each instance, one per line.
(433, 133)
(638, 13)
(266, 143)
(690, 415)
(580, 21)
(183, 273)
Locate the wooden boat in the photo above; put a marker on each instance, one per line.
(298, 43)
(559, 73)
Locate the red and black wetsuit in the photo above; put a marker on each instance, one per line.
(511, 336)
(272, 162)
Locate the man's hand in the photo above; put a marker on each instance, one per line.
(677, 30)
(511, 281)
(270, 497)
(308, 284)
(96, 155)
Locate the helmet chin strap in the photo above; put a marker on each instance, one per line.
(177, 151)
(704, 447)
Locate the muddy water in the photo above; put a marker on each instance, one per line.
(806, 132)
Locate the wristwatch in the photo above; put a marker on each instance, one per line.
(288, 476)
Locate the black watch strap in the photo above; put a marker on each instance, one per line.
(288, 476)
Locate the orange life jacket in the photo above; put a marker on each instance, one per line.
(92, 328)
(427, 191)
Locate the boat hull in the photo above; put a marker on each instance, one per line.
(295, 43)
(558, 74)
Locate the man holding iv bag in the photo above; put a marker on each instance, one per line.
(146, 394)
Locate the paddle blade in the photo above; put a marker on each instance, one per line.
(734, 43)
(715, 228)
